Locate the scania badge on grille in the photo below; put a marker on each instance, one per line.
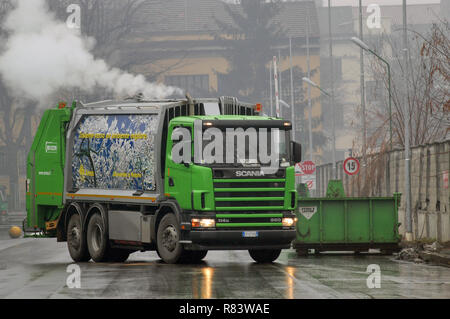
(249, 173)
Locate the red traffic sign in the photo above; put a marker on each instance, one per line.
(305, 168)
(308, 167)
(351, 166)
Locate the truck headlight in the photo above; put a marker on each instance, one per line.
(288, 222)
(203, 223)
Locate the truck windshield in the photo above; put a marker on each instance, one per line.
(245, 147)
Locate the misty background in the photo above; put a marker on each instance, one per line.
(211, 48)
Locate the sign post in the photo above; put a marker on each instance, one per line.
(307, 172)
(445, 178)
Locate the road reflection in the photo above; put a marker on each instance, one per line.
(202, 283)
(251, 275)
(290, 276)
(226, 275)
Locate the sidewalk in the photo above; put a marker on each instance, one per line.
(8, 243)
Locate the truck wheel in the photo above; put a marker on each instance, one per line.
(118, 255)
(167, 240)
(97, 240)
(265, 255)
(76, 240)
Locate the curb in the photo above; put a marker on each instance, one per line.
(435, 258)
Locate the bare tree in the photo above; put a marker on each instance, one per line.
(115, 25)
(109, 22)
(428, 99)
(5, 7)
(15, 124)
(437, 52)
(249, 40)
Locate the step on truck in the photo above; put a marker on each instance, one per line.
(115, 177)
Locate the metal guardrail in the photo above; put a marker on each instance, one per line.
(13, 219)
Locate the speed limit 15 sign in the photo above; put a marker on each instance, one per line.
(351, 166)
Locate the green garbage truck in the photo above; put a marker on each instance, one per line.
(115, 177)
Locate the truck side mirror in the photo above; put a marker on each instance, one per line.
(296, 151)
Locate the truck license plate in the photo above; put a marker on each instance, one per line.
(250, 234)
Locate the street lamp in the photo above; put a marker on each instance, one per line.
(333, 112)
(284, 104)
(365, 47)
(360, 43)
(312, 83)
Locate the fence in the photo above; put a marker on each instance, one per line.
(384, 174)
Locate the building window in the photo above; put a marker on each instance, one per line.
(191, 83)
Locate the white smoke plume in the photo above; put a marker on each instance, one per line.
(43, 55)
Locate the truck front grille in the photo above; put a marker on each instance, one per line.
(249, 220)
(271, 203)
(249, 194)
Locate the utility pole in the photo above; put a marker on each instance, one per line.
(271, 90)
(333, 111)
(275, 77)
(309, 91)
(365, 47)
(292, 91)
(363, 94)
(407, 131)
(185, 14)
(280, 76)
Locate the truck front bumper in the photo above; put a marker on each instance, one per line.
(236, 240)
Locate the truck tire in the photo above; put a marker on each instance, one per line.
(118, 255)
(97, 239)
(76, 240)
(264, 255)
(167, 240)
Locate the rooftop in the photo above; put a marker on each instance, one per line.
(198, 16)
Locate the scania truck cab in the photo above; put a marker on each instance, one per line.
(177, 176)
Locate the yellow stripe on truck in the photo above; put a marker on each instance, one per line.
(111, 197)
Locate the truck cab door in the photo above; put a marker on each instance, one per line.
(178, 174)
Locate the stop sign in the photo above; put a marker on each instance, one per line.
(308, 167)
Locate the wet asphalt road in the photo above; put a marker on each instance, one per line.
(36, 268)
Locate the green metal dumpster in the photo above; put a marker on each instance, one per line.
(337, 223)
